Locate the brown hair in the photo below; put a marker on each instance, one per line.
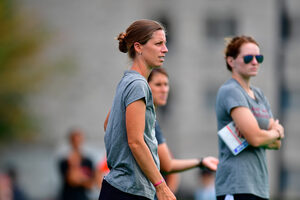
(234, 45)
(139, 31)
(157, 71)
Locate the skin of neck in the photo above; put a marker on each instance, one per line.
(141, 67)
(243, 81)
(76, 149)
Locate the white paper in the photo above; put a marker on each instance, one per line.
(230, 136)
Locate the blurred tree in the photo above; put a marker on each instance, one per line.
(22, 39)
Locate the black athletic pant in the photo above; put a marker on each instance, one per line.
(109, 192)
(242, 197)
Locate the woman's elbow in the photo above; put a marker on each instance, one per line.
(166, 168)
(134, 145)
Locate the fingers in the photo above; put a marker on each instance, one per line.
(281, 132)
(278, 127)
(211, 163)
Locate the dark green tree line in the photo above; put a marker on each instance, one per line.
(21, 40)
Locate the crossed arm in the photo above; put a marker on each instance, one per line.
(248, 126)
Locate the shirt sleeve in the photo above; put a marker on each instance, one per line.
(233, 97)
(136, 90)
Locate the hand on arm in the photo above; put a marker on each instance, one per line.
(278, 127)
(135, 125)
(248, 126)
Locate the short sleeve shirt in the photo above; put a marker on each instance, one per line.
(125, 174)
(246, 172)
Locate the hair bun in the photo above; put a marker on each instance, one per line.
(122, 36)
(122, 42)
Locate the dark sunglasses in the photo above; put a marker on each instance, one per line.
(249, 58)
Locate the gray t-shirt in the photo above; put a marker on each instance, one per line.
(246, 172)
(158, 134)
(125, 174)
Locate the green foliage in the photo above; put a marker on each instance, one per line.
(21, 40)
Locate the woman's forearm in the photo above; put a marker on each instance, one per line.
(179, 165)
(248, 126)
(170, 165)
(145, 161)
(135, 126)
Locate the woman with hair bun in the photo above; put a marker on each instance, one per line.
(129, 136)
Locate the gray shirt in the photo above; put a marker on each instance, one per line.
(125, 174)
(246, 172)
(158, 134)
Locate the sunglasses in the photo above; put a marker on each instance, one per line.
(249, 58)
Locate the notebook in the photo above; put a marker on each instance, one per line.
(229, 134)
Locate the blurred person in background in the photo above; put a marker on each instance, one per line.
(9, 187)
(18, 192)
(76, 170)
(159, 83)
(206, 189)
(245, 176)
(130, 141)
(6, 192)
